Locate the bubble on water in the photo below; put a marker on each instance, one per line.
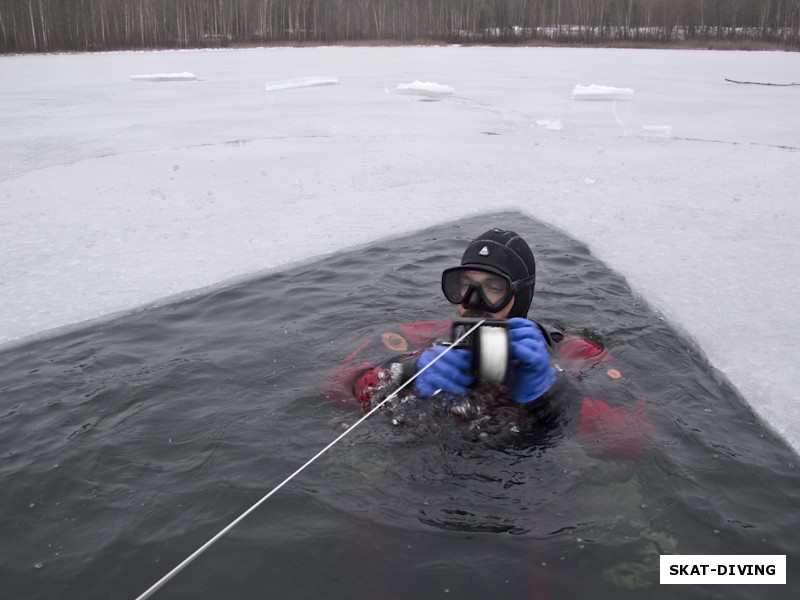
(38, 565)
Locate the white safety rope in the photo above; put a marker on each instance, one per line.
(157, 585)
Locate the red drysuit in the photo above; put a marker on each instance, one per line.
(617, 427)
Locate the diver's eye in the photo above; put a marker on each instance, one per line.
(495, 287)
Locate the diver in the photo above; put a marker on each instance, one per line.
(542, 386)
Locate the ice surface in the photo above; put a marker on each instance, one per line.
(425, 88)
(601, 92)
(165, 77)
(116, 195)
(300, 82)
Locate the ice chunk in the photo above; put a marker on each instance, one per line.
(660, 132)
(165, 77)
(601, 92)
(300, 82)
(552, 125)
(425, 88)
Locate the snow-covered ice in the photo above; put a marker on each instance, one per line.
(115, 195)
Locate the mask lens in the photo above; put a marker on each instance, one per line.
(462, 284)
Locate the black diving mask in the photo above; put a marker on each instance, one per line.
(480, 287)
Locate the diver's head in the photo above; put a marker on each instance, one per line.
(495, 279)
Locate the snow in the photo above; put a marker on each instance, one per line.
(601, 92)
(117, 195)
(300, 82)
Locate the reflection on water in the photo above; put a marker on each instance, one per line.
(128, 445)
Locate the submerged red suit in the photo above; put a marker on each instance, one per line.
(615, 427)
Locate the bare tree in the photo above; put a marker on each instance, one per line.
(53, 25)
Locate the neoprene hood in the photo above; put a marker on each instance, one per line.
(506, 253)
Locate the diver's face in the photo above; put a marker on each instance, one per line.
(485, 279)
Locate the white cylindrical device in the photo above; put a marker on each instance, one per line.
(492, 353)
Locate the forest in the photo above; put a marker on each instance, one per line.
(28, 26)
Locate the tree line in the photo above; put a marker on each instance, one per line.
(86, 25)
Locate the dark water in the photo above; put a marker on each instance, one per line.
(128, 445)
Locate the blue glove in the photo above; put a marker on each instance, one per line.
(531, 373)
(452, 373)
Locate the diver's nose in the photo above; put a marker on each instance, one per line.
(473, 298)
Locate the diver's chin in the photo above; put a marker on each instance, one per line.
(476, 314)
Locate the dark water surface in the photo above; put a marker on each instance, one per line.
(128, 445)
